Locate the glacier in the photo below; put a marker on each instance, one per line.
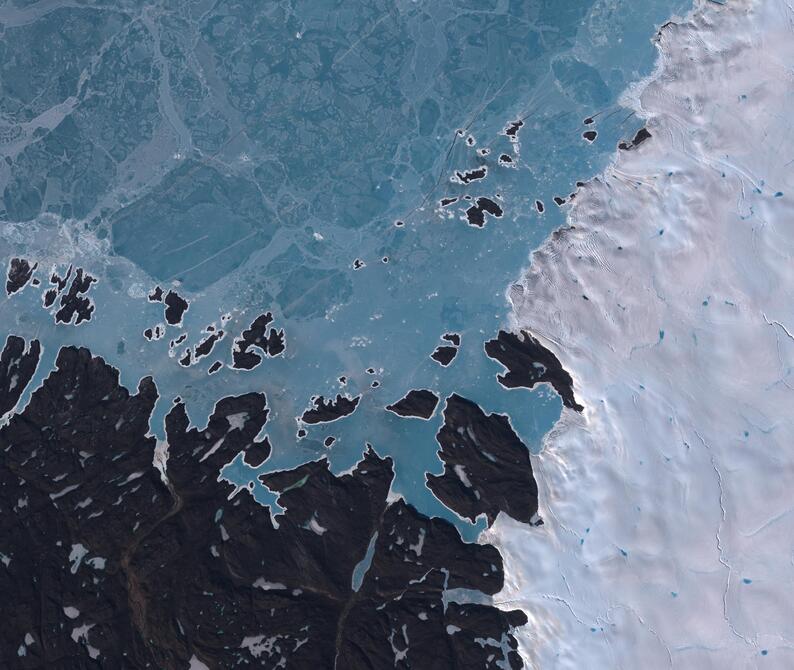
(669, 535)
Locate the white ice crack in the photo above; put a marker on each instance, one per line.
(720, 548)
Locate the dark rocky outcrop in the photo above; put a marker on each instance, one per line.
(486, 466)
(109, 562)
(418, 403)
(529, 363)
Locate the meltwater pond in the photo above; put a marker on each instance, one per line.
(371, 174)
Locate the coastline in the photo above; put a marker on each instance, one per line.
(662, 298)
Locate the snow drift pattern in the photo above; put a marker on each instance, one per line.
(668, 505)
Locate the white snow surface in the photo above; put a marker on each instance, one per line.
(682, 465)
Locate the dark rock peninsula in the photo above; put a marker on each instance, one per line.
(18, 362)
(529, 363)
(486, 466)
(109, 562)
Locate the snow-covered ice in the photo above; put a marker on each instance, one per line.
(669, 504)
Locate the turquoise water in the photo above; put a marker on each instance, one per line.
(251, 151)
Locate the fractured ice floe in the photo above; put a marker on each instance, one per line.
(668, 507)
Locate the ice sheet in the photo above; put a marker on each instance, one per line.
(668, 506)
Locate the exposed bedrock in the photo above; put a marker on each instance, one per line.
(111, 562)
